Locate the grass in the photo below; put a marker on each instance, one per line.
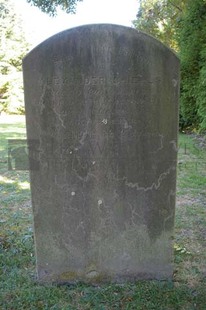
(19, 288)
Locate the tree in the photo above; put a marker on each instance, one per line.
(160, 18)
(192, 42)
(13, 47)
(181, 25)
(50, 7)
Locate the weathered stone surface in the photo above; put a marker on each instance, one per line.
(102, 102)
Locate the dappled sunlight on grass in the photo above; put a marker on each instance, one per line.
(14, 188)
(16, 128)
(4, 179)
(11, 119)
(24, 185)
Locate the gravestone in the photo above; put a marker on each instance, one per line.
(102, 110)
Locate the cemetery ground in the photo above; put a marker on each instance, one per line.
(18, 286)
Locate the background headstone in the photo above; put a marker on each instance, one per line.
(102, 102)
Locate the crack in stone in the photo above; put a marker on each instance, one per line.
(161, 144)
(59, 117)
(134, 214)
(85, 134)
(174, 145)
(41, 100)
(154, 185)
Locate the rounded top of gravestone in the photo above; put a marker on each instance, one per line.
(94, 31)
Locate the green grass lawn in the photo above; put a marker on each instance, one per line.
(18, 286)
